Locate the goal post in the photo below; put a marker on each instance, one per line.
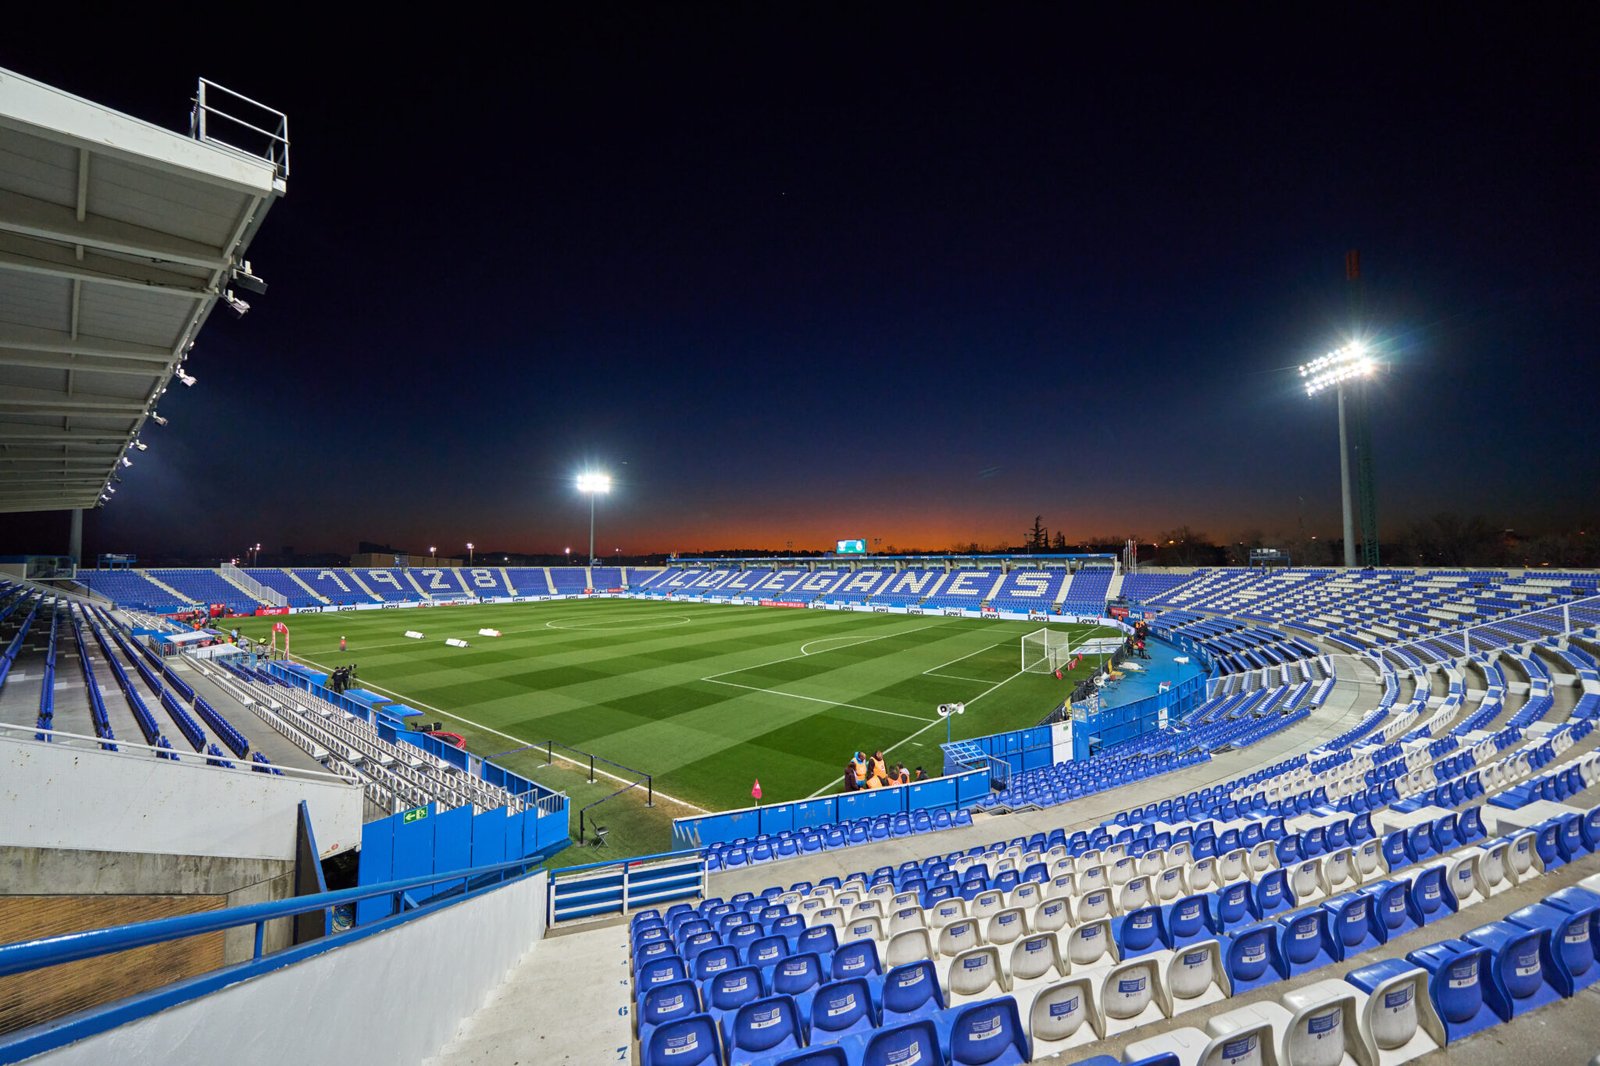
(1044, 651)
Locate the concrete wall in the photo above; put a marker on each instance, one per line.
(394, 997)
(27, 871)
(85, 798)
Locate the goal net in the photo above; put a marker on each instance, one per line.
(1044, 651)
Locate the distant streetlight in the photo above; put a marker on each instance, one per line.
(594, 484)
(469, 553)
(1331, 371)
(433, 554)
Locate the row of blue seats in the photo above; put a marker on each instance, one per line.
(785, 844)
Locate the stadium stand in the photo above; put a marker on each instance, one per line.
(1441, 804)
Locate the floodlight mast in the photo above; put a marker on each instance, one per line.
(594, 484)
(1331, 371)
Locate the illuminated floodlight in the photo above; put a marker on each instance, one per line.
(593, 484)
(1338, 366)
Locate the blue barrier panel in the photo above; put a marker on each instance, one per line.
(452, 840)
(488, 838)
(778, 818)
(375, 866)
(413, 845)
(808, 814)
(972, 787)
(927, 795)
(494, 775)
(514, 834)
(550, 832)
(387, 732)
(869, 804)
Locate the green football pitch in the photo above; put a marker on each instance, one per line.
(707, 698)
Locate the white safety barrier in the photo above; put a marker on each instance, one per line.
(455, 642)
(488, 632)
(413, 634)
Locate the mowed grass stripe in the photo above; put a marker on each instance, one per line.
(637, 695)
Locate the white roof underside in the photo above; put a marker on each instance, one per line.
(116, 237)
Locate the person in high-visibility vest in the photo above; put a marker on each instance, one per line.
(341, 644)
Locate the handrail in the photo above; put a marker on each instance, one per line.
(631, 860)
(72, 947)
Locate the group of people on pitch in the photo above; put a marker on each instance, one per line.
(862, 772)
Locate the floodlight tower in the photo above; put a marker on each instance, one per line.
(1332, 371)
(593, 484)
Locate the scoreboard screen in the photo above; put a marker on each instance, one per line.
(852, 547)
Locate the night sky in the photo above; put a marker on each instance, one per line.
(804, 273)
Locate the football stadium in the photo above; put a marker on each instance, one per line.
(1135, 801)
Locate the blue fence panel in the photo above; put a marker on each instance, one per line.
(778, 818)
(972, 787)
(548, 833)
(515, 828)
(488, 838)
(413, 846)
(375, 866)
(929, 795)
(452, 840)
(808, 814)
(869, 804)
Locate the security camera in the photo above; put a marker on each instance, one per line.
(141, 445)
(187, 379)
(159, 420)
(126, 461)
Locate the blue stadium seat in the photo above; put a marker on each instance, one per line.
(713, 961)
(1567, 947)
(690, 1041)
(988, 1033)
(912, 991)
(666, 1003)
(841, 1008)
(1459, 986)
(1518, 966)
(909, 1042)
(761, 1028)
(1253, 958)
(797, 974)
(1305, 941)
(732, 989)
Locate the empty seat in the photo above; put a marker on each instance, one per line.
(987, 1033)
(1459, 987)
(1195, 976)
(976, 974)
(1130, 995)
(761, 1029)
(841, 1008)
(1062, 1016)
(692, 1041)
(1518, 959)
(911, 991)
(732, 989)
(1395, 1012)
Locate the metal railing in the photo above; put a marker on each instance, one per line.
(267, 127)
(252, 586)
(622, 885)
(30, 955)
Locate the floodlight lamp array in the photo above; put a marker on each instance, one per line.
(1338, 366)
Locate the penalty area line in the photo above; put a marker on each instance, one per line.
(906, 740)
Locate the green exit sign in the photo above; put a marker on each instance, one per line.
(415, 814)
